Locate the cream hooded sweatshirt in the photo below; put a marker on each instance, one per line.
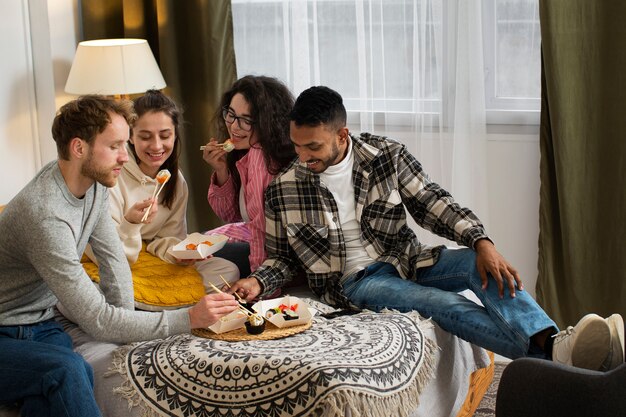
(169, 226)
(167, 229)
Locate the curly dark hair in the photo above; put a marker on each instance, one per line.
(154, 101)
(86, 117)
(270, 103)
(319, 105)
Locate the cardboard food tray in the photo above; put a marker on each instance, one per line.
(304, 312)
(229, 322)
(202, 251)
(232, 326)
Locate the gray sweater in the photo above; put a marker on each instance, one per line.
(43, 233)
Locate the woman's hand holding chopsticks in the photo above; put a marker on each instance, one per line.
(137, 212)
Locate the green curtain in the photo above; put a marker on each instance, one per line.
(582, 248)
(192, 40)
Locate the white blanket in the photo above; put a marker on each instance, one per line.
(443, 396)
(375, 365)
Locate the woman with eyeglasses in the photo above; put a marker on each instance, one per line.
(254, 116)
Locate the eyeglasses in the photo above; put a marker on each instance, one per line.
(230, 117)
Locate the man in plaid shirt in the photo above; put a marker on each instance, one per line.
(339, 213)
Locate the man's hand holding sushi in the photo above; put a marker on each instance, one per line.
(210, 309)
(246, 288)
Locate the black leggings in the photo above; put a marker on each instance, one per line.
(238, 253)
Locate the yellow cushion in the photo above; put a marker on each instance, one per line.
(479, 384)
(159, 285)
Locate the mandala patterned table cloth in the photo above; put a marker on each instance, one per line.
(372, 364)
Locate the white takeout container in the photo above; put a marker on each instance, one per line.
(229, 322)
(304, 311)
(202, 251)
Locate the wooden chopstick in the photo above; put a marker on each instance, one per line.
(242, 308)
(154, 195)
(236, 295)
(145, 216)
(219, 145)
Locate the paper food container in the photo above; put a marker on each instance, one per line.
(202, 250)
(304, 312)
(229, 322)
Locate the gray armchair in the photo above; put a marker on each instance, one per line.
(541, 388)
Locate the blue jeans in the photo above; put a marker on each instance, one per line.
(40, 370)
(503, 326)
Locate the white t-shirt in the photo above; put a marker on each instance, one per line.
(338, 180)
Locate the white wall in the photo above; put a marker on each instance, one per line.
(513, 183)
(19, 137)
(513, 151)
(38, 43)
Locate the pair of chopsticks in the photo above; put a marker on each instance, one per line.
(155, 194)
(219, 145)
(242, 308)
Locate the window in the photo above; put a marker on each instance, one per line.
(512, 52)
(389, 58)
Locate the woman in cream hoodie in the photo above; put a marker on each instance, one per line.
(155, 145)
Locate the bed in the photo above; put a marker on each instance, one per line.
(461, 374)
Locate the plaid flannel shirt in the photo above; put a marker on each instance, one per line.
(303, 228)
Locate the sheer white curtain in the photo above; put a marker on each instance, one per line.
(409, 69)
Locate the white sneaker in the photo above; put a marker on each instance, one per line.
(616, 355)
(585, 345)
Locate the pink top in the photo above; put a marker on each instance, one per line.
(225, 203)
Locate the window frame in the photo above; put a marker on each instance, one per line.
(502, 110)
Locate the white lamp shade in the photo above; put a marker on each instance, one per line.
(114, 67)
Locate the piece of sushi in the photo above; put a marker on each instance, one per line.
(290, 315)
(163, 176)
(269, 313)
(228, 146)
(255, 324)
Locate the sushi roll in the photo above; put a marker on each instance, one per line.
(269, 313)
(255, 324)
(163, 176)
(290, 315)
(228, 146)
